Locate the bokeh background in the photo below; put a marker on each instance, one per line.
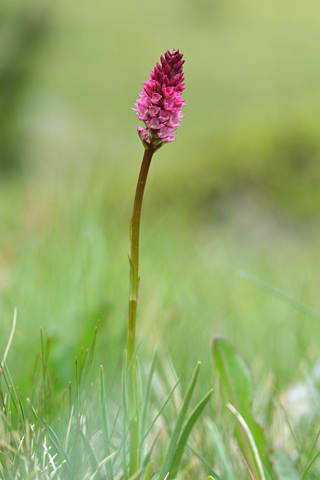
(239, 189)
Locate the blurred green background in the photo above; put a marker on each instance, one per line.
(239, 189)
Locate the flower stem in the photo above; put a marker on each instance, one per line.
(133, 303)
(134, 258)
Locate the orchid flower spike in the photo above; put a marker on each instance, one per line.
(160, 102)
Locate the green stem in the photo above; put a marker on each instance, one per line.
(133, 303)
(134, 258)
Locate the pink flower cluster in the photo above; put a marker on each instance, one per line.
(160, 102)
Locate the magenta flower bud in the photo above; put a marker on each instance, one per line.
(159, 105)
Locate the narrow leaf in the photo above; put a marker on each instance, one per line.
(309, 464)
(104, 422)
(161, 410)
(205, 463)
(181, 417)
(145, 409)
(221, 451)
(125, 416)
(176, 461)
(148, 472)
(52, 436)
(103, 462)
(281, 295)
(284, 467)
(95, 467)
(250, 440)
(237, 378)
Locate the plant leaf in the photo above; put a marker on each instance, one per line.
(161, 410)
(237, 378)
(251, 441)
(205, 464)
(281, 295)
(284, 467)
(148, 471)
(309, 464)
(145, 409)
(221, 451)
(177, 430)
(103, 414)
(92, 458)
(176, 461)
(125, 416)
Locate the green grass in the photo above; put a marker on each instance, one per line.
(71, 269)
(238, 190)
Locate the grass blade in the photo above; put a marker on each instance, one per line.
(9, 341)
(176, 461)
(124, 416)
(205, 463)
(181, 417)
(161, 409)
(280, 295)
(100, 464)
(221, 451)
(104, 422)
(236, 376)
(145, 409)
(309, 464)
(52, 436)
(284, 466)
(148, 472)
(251, 441)
(95, 467)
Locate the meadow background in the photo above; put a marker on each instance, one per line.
(238, 190)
